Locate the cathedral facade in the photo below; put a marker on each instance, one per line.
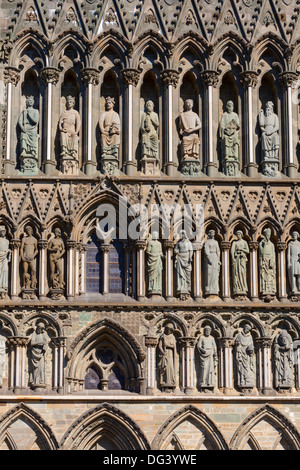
(150, 224)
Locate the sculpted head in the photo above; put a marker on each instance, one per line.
(109, 103)
(169, 328)
(211, 234)
(149, 106)
(267, 233)
(247, 328)
(183, 234)
(239, 234)
(29, 101)
(295, 235)
(207, 330)
(189, 104)
(155, 236)
(70, 102)
(57, 232)
(28, 230)
(230, 106)
(2, 231)
(269, 108)
(40, 327)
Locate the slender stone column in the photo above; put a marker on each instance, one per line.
(225, 247)
(249, 81)
(82, 287)
(169, 246)
(197, 271)
(42, 245)
(226, 364)
(140, 246)
(282, 247)
(90, 78)
(253, 270)
(77, 267)
(287, 79)
(131, 78)
(127, 269)
(50, 76)
(59, 344)
(15, 245)
(70, 244)
(170, 79)
(210, 81)
(297, 355)
(151, 343)
(18, 347)
(264, 364)
(188, 364)
(133, 272)
(105, 252)
(11, 78)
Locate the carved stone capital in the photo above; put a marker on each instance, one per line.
(187, 342)
(90, 75)
(105, 247)
(71, 244)
(83, 248)
(249, 78)
(168, 244)
(253, 246)
(170, 77)
(59, 341)
(15, 243)
(42, 244)
(288, 79)
(225, 245)
(197, 246)
(151, 341)
(282, 246)
(264, 342)
(209, 78)
(226, 342)
(130, 76)
(11, 75)
(140, 244)
(50, 75)
(14, 341)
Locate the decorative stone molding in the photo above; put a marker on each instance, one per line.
(170, 77)
(50, 75)
(249, 78)
(210, 78)
(12, 75)
(90, 75)
(130, 76)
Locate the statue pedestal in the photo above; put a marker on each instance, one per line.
(150, 166)
(69, 166)
(268, 297)
(56, 293)
(184, 296)
(168, 388)
(190, 167)
(231, 167)
(294, 296)
(3, 294)
(155, 296)
(241, 297)
(38, 387)
(28, 166)
(110, 166)
(270, 167)
(28, 293)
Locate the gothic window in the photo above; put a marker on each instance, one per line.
(116, 268)
(93, 267)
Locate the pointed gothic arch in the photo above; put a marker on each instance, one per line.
(290, 436)
(108, 424)
(212, 436)
(45, 438)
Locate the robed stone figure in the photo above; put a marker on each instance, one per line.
(267, 264)
(69, 127)
(189, 126)
(38, 345)
(212, 264)
(183, 264)
(269, 125)
(283, 358)
(110, 130)
(229, 133)
(29, 138)
(208, 355)
(245, 358)
(5, 258)
(149, 132)
(154, 264)
(293, 262)
(239, 257)
(166, 358)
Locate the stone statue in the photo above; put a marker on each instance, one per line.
(2, 358)
(166, 358)
(29, 139)
(207, 349)
(183, 264)
(212, 264)
(69, 127)
(230, 142)
(154, 264)
(239, 256)
(269, 125)
(56, 250)
(293, 263)
(5, 258)
(267, 264)
(189, 127)
(110, 137)
(149, 130)
(28, 252)
(38, 345)
(283, 358)
(245, 358)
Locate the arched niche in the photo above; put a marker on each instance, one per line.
(240, 265)
(189, 90)
(110, 87)
(208, 269)
(228, 92)
(149, 92)
(268, 92)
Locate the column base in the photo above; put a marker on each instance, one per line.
(9, 167)
(170, 298)
(130, 168)
(267, 391)
(90, 168)
(211, 169)
(251, 170)
(141, 298)
(189, 390)
(292, 170)
(150, 391)
(171, 168)
(49, 168)
(284, 298)
(19, 390)
(42, 298)
(198, 299)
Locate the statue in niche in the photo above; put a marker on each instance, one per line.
(2, 358)
(293, 263)
(183, 264)
(230, 142)
(56, 250)
(154, 264)
(212, 264)
(189, 127)
(283, 357)
(5, 258)
(267, 264)
(69, 127)
(38, 345)
(245, 358)
(269, 125)
(239, 257)
(28, 252)
(149, 130)
(110, 137)
(207, 349)
(29, 138)
(166, 358)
